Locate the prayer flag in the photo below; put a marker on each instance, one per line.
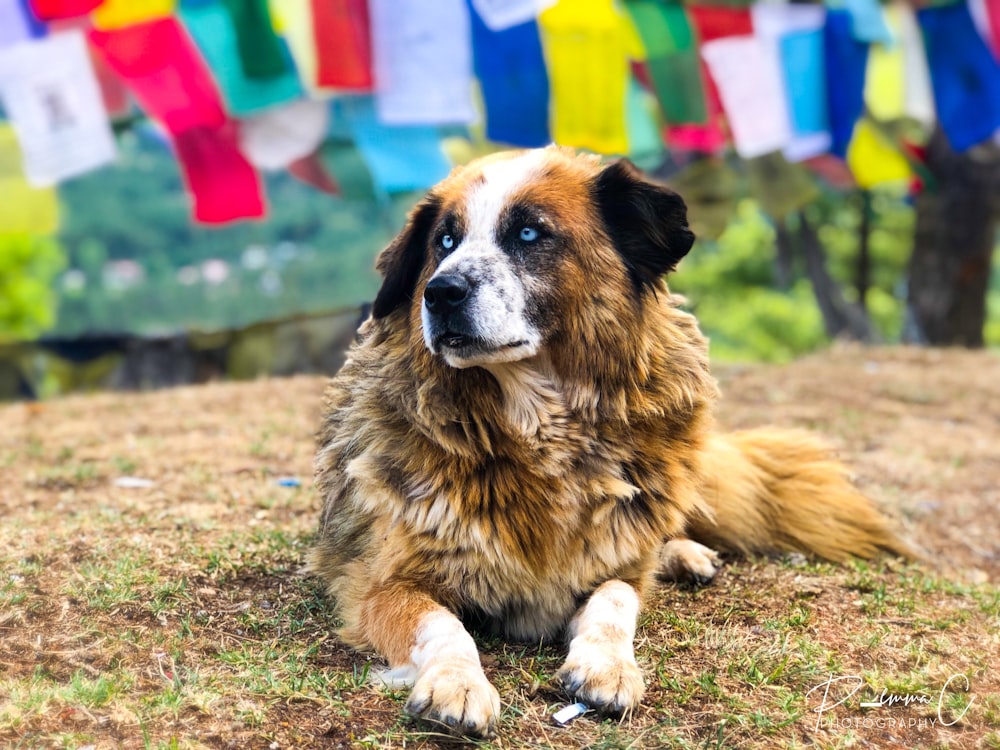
(342, 33)
(54, 103)
(964, 73)
(422, 55)
(223, 185)
(588, 44)
(212, 29)
(515, 85)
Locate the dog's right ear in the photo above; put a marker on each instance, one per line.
(402, 261)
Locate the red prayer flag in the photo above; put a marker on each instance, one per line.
(50, 10)
(313, 172)
(342, 34)
(224, 185)
(165, 73)
(993, 16)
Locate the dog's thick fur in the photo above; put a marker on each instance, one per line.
(522, 438)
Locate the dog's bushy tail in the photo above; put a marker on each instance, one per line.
(777, 490)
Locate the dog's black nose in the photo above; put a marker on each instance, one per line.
(445, 292)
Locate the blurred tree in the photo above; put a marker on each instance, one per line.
(28, 266)
(953, 245)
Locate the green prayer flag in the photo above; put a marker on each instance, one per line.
(260, 49)
(672, 59)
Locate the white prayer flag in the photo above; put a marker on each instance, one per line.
(918, 93)
(54, 103)
(752, 92)
(422, 55)
(277, 137)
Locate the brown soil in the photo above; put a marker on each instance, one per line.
(920, 428)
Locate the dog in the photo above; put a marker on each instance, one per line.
(522, 439)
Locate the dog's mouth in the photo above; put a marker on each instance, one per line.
(462, 350)
(460, 342)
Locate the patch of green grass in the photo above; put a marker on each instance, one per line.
(104, 583)
(123, 465)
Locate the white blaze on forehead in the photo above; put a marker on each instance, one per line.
(501, 180)
(496, 308)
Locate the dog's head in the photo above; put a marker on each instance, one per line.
(503, 255)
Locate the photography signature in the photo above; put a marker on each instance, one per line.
(838, 690)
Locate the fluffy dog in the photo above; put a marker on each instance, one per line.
(522, 439)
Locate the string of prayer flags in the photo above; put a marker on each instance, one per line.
(400, 158)
(50, 10)
(846, 60)
(24, 209)
(588, 45)
(964, 74)
(223, 185)
(54, 103)
(342, 36)
(671, 59)
(118, 14)
(261, 52)
(163, 70)
(211, 27)
(423, 62)
(510, 66)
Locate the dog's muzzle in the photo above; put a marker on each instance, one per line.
(445, 299)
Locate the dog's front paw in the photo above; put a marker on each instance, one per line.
(682, 559)
(608, 682)
(457, 695)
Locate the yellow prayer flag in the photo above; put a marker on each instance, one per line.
(885, 89)
(116, 14)
(24, 209)
(587, 46)
(873, 160)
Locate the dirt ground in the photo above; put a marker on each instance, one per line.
(170, 611)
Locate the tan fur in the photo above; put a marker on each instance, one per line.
(509, 493)
(778, 490)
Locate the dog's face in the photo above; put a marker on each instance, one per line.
(497, 256)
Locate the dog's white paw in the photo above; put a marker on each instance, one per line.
(608, 681)
(457, 695)
(682, 559)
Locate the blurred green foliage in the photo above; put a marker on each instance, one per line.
(314, 251)
(731, 284)
(28, 266)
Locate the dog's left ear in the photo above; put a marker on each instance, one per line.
(401, 262)
(647, 222)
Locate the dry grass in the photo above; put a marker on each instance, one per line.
(173, 615)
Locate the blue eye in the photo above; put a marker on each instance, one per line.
(447, 242)
(528, 234)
